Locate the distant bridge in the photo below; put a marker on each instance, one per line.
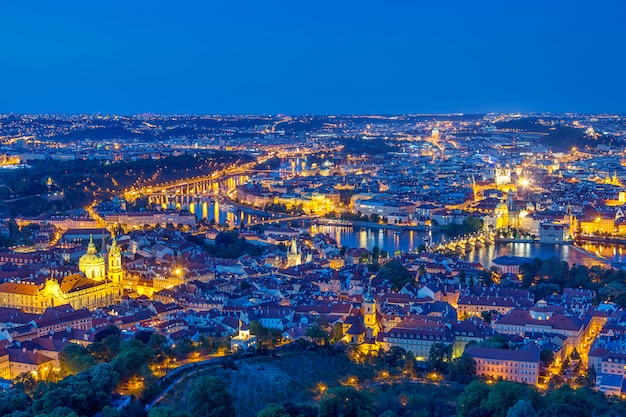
(283, 219)
(466, 243)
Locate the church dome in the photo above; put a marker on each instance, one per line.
(502, 208)
(92, 263)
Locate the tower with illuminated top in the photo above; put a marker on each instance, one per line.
(115, 273)
(294, 256)
(502, 215)
(370, 315)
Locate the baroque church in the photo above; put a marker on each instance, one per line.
(93, 287)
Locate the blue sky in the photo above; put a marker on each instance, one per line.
(324, 57)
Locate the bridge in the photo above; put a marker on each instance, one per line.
(466, 243)
(209, 184)
(284, 219)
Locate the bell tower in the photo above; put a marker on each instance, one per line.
(115, 272)
(370, 318)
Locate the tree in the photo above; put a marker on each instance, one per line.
(567, 402)
(210, 398)
(157, 341)
(612, 291)
(472, 224)
(337, 334)
(546, 356)
(103, 334)
(25, 382)
(375, 254)
(463, 369)
(100, 351)
(346, 402)
(132, 357)
(167, 412)
(439, 356)
(183, 348)
(522, 408)
(267, 338)
(74, 358)
(472, 398)
(486, 316)
(13, 400)
(61, 411)
(409, 368)
(396, 273)
(272, 410)
(555, 382)
(590, 380)
(421, 271)
(503, 395)
(462, 276)
(103, 377)
(317, 334)
(393, 357)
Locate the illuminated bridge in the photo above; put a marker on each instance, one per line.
(466, 243)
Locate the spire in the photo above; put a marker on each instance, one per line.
(294, 247)
(113, 248)
(91, 248)
(104, 244)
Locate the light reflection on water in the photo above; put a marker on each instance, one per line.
(391, 242)
(409, 240)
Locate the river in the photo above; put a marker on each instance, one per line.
(409, 240)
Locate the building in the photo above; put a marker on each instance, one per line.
(553, 233)
(417, 334)
(371, 316)
(501, 214)
(512, 365)
(543, 319)
(294, 256)
(25, 361)
(93, 287)
(244, 340)
(510, 264)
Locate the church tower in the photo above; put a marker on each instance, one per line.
(294, 257)
(502, 216)
(370, 314)
(115, 273)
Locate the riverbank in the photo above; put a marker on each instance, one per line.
(372, 225)
(601, 239)
(593, 255)
(514, 240)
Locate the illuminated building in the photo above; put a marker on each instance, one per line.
(294, 256)
(502, 215)
(543, 319)
(597, 225)
(93, 288)
(552, 233)
(244, 340)
(370, 315)
(502, 175)
(511, 365)
(417, 340)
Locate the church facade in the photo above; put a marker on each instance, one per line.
(94, 287)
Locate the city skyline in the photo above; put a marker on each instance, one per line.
(350, 58)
